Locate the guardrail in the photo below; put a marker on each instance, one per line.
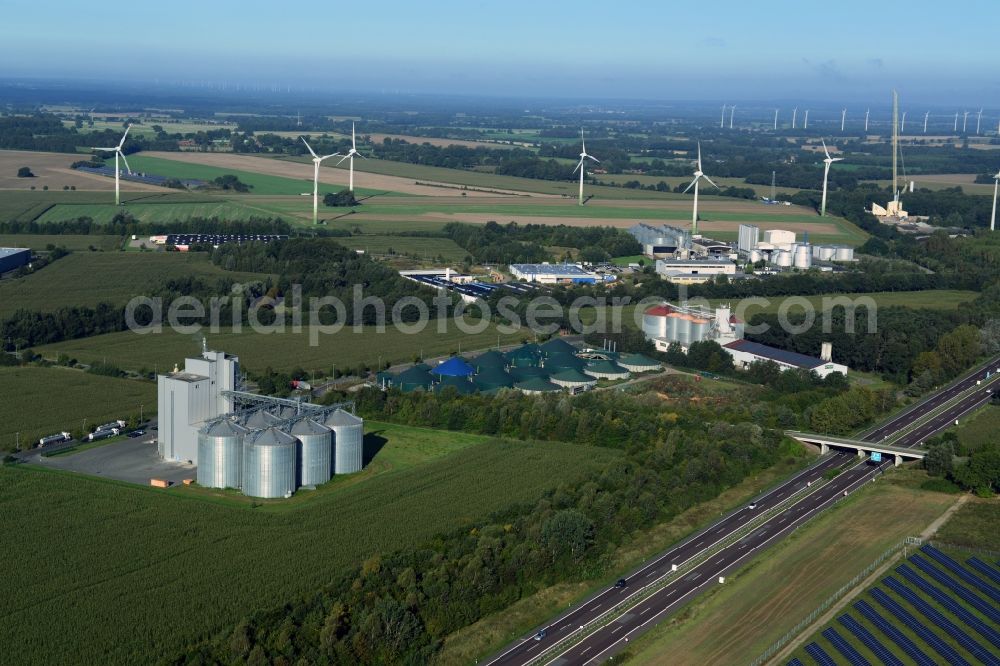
(613, 613)
(940, 409)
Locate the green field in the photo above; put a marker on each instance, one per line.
(674, 181)
(974, 525)
(41, 401)
(182, 568)
(758, 604)
(68, 241)
(280, 351)
(982, 429)
(425, 248)
(155, 212)
(935, 299)
(26, 206)
(146, 127)
(88, 278)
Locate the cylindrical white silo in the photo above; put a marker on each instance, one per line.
(348, 441)
(315, 451)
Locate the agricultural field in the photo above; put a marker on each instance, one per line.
(53, 170)
(26, 206)
(159, 212)
(974, 525)
(934, 299)
(36, 401)
(157, 557)
(88, 278)
(941, 181)
(980, 430)
(145, 128)
(281, 351)
(425, 248)
(760, 603)
(71, 242)
(781, 192)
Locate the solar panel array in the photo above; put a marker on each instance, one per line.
(984, 569)
(964, 593)
(844, 648)
(970, 619)
(222, 239)
(474, 289)
(138, 177)
(894, 634)
(963, 573)
(869, 641)
(820, 655)
(918, 628)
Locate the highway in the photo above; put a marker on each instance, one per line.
(613, 637)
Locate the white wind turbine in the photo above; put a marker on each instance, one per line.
(965, 120)
(776, 119)
(118, 151)
(581, 164)
(996, 187)
(867, 113)
(698, 175)
(732, 113)
(722, 123)
(843, 118)
(826, 175)
(902, 124)
(805, 121)
(795, 113)
(350, 156)
(317, 160)
(926, 116)
(979, 119)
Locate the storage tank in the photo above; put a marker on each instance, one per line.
(755, 256)
(684, 330)
(783, 258)
(261, 420)
(843, 253)
(824, 252)
(673, 326)
(220, 454)
(654, 321)
(348, 441)
(270, 463)
(315, 451)
(699, 329)
(803, 257)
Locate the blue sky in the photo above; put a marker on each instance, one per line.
(845, 50)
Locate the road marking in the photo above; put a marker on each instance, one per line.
(643, 611)
(616, 628)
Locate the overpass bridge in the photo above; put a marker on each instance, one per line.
(826, 442)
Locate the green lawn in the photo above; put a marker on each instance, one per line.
(88, 278)
(41, 401)
(163, 558)
(936, 299)
(68, 241)
(154, 212)
(281, 351)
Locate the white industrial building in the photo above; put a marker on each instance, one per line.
(745, 352)
(693, 271)
(662, 240)
(546, 273)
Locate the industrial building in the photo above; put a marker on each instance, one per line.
(267, 447)
(662, 240)
(780, 248)
(546, 273)
(184, 241)
(12, 258)
(693, 271)
(669, 324)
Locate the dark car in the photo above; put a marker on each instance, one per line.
(621, 582)
(137, 433)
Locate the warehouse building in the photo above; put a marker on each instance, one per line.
(745, 352)
(661, 241)
(12, 258)
(546, 273)
(693, 271)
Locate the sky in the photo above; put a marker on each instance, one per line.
(846, 51)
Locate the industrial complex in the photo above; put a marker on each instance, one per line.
(12, 258)
(266, 447)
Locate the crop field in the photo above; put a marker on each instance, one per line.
(88, 278)
(981, 429)
(941, 181)
(36, 401)
(934, 299)
(426, 248)
(898, 611)
(760, 603)
(68, 241)
(974, 525)
(162, 558)
(146, 128)
(53, 170)
(673, 181)
(165, 212)
(26, 206)
(345, 349)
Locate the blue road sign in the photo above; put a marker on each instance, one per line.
(876, 457)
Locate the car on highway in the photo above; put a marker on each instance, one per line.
(136, 433)
(752, 506)
(621, 582)
(542, 633)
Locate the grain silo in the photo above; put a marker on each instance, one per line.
(348, 441)
(802, 258)
(654, 321)
(700, 329)
(270, 464)
(843, 253)
(684, 330)
(220, 454)
(783, 258)
(315, 451)
(261, 420)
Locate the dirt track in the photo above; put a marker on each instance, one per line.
(52, 169)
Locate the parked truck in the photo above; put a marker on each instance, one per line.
(102, 434)
(110, 425)
(57, 438)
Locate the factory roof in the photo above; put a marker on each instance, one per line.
(549, 269)
(187, 377)
(537, 384)
(7, 251)
(694, 262)
(777, 355)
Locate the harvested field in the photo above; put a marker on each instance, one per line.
(52, 169)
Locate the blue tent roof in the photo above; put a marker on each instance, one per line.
(454, 367)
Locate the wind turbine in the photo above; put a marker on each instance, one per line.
(843, 118)
(965, 120)
(979, 119)
(732, 112)
(698, 175)
(993, 217)
(580, 165)
(926, 116)
(118, 151)
(805, 123)
(902, 124)
(795, 112)
(826, 174)
(722, 123)
(867, 113)
(317, 160)
(350, 156)
(776, 119)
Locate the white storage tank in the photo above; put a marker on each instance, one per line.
(826, 252)
(755, 256)
(220, 454)
(699, 329)
(270, 464)
(803, 257)
(783, 258)
(684, 330)
(315, 451)
(654, 321)
(843, 253)
(261, 420)
(348, 441)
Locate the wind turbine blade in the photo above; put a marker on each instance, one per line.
(699, 156)
(326, 157)
(710, 180)
(311, 151)
(353, 145)
(593, 158)
(578, 165)
(691, 185)
(836, 159)
(111, 148)
(824, 148)
(127, 167)
(122, 142)
(342, 161)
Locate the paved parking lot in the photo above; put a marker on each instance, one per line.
(132, 460)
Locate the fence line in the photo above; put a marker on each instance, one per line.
(969, 549)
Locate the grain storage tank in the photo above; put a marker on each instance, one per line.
(270, 463)
(220, 454)
(803, 257)
(783, 258)
(654, 321)
(843, 253)
(315, 451)
(684, 330)
(261, 420)
(755, 256)
(348, 441)
(699, 329)
(673, 326)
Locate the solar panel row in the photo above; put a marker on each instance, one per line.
(951, 605)
(869, 641)
(844, 648)
(938, 618)
(918, 628)
(894, 634)
(966, 595)
(795, 662)
(820, 655)
(984, 569)
(963, 573)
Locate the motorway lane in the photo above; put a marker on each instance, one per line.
(593, 607)
(947, 418)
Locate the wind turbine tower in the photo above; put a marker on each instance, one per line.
(843, 118)
(993, 216)
(795, 112)
(581, 164)
(926, 116)
(317, 160)
(867, 113)
(350, 156)
(775, 119)
(698, 175)
(118, 152)
(732, 113)
(979, 119)
(965, 120)
(805, 121)
(902, 124)
(722, 123)
(955, 128)
(826, 175)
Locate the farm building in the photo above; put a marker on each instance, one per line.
(266, 447)
(12, 258)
